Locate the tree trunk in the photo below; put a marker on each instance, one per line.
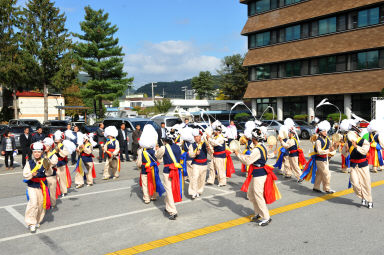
(94, 108)
(15, 112)
(45, 102)
(100, 108)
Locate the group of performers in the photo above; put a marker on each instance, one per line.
(184, 153)
(47, 173)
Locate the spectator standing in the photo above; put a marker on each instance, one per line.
(38, 136)
(123, 139)
(73, 155)
(8, 145)
(101, 141)
(135, 141)
(232, 132)
(25, 143)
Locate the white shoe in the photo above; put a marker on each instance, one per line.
(364, 202)
(370, 205)
(32, 228)
(37, 225)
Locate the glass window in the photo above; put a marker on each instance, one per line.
(293, 69)
(381, 59)
(368, 17)
(327, 64)
(352, 20)
(282, 35)
(304, 67)
(281, 70)
(274, 36)
(327, 26)
(263, 39)
(314, 28)
(263, 5)
(251, 41)
(305, 30)
(263, 72)
(314, 66)
(323, 65)
(274, 4)
(252, 8)
(341, 23)
(367, 60)
(274, 71)
(292, 33)
(291, 1)
(341, 63)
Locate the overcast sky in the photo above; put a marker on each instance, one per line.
(167, 40)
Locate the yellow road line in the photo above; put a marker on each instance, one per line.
(229, 224)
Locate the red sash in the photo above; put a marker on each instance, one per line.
(58, 191)
(174, 176)
(45, 191)
(200, 161)
(357, 161)
(69, 179)
(322, 156)
(150, 184)
(87, 155)
(229, 166)
(302, 159)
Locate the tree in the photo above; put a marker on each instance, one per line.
(203, 85)
(47, 43)
(233, 77)
(12, 68)
(162, 106)
(101, 58)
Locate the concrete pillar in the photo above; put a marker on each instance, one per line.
(254, 107)
(348, 105)
(279, 107)
(311, 107)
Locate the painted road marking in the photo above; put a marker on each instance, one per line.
(16, 215)
(41, 231)
(229, 224)
(12, 173)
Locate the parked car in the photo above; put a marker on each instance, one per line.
(169, 121)
(274, 126)
(307, 130)
(34, 124)
(50, 130)
(55, 123)
(130, 124)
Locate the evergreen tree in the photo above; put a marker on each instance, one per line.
(203, 85)
(234, 77)
(47, 42)
(12, 69)
(101, 58)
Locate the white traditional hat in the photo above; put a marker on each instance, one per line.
(186, 134)
(58, 135)
(148, 138)
(110, 131)
(324, 126)
(69, 146)
(37, 146)
(48, 141)
(373, 126)
(196, 132)
(283, 132)
(290, 124)
(217, 126)
(69, 134)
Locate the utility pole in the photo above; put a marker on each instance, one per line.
(153, 96)
(185, 92)
(163, 93)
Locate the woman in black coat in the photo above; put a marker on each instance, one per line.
(8, 146)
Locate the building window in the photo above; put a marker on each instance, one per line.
(252, 8)
(274, 71)
(252, 74)
(263, 72)
(314, 66)
(263, 103)
(341, 23)
(327, 64)
(341, 63)
(263, 5)
(314, 28)
(292, 33)
(367, 60)
(327, 26)
(368, 17)
(287, 2)
(292, 69)
(304, 30)
(258, 40)
(304, 67)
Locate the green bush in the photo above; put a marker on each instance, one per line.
(269, 116)
(335, 116)
(242, 116)
(301, 117)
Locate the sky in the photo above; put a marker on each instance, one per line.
(168, 40)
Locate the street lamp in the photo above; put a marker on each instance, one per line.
(153, 86)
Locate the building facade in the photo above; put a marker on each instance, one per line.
(302, 51)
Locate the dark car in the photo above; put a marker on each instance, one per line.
(16, 131)
(130, 124)
(34, 124)
(55, 123)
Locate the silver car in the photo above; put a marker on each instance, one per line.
(274, 126)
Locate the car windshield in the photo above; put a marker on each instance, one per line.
(143, 123)
(301, 122)
(17, 130)
(59, 123)
(32, 122)
(172, 122)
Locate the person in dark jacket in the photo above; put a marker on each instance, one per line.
(135, 141)
(101, 141)
(25, 143)
(8, 145)
(123, 139)
(38, 135)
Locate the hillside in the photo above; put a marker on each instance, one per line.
(172, 89)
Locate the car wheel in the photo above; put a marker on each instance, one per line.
(304, 134)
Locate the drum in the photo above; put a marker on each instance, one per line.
(352, 136)
(271, 140)
(234, 145)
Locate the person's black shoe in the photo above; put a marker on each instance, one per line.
(300, 180)
(317, 190)
(122, 160)
(330, 191)
(172, 217)
(255, 218)
(100, 161)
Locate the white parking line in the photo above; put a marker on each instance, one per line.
(78, 195)
(16, 215)
(12, 173)
(42, 231)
